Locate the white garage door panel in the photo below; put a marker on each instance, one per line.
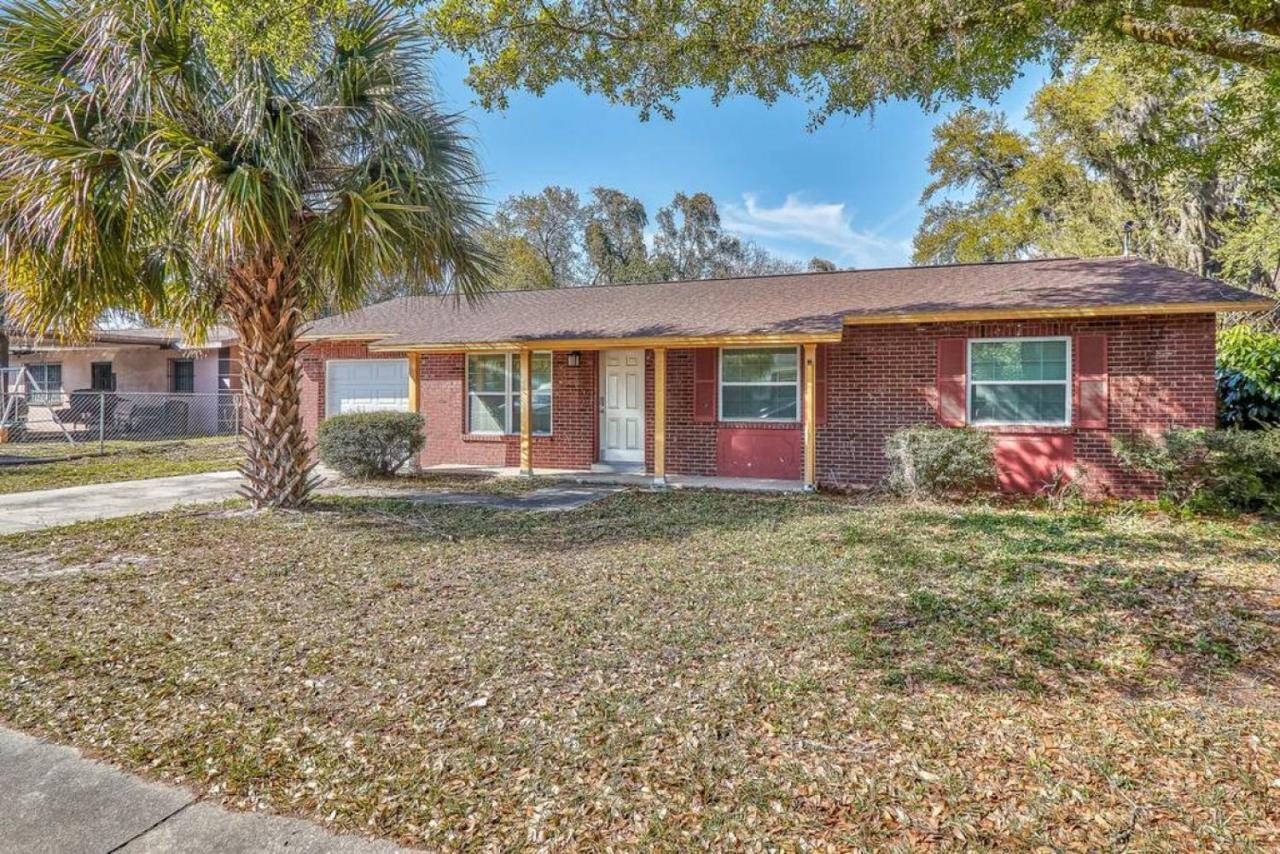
(367, 385)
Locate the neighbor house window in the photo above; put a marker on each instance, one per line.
(760, 384)
(1020, 381)
(182, 376)
(101, 377)
(46, 384)
(493, 393)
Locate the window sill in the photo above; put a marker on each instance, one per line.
(500, 437)
(759, 425)
(1025, 429)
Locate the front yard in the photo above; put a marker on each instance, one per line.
(674, 670)
(118, 460)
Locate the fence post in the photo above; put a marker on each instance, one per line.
(102, 422)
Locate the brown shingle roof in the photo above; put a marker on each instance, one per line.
(804, 304)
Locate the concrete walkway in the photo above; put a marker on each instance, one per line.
(549, 499)
(48, 508)
(56, 802)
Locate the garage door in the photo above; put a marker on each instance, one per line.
(366, 385)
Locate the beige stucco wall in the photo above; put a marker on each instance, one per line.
(138, 370)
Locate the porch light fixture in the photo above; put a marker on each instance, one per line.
(573, 359)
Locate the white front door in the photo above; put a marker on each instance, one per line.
(622, 418)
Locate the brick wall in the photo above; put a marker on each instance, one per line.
(313, 359)
(442, 401)
(571, 444)
(880, 378)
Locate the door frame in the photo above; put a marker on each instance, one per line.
(602, 422)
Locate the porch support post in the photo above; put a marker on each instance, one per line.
(810, 417)
(526, 412)
(413, 382)
(659, 416)
(414, 358)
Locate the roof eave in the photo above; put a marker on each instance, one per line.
(725, 340)
(1058, 312)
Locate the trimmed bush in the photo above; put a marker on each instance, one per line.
(1248, 377)
(1210, 470)
(940, 461)
(370, 444)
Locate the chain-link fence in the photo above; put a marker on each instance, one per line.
(40, 423)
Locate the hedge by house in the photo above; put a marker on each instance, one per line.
(1213, 470)
(370, 444)
(940, 461)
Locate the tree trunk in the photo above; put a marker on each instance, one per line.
(262, 299)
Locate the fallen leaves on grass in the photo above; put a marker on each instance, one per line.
(677, 670)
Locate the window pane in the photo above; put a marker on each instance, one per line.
(487, 373)
(1020, 403)
(1019, 360)
(759, 401)
(488, 413)
(541, 372)
(776, 365)
(541, 413)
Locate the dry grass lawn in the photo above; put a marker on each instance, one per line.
(121, 460)
(675, 671)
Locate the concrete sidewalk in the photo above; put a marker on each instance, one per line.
(55, 801)
(48, 508)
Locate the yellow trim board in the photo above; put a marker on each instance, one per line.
(1057, 313)
(606, 343)
(360, 336)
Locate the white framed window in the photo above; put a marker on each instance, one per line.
(1020, 381)
(46, 382)
(493, 393)
(760, 384)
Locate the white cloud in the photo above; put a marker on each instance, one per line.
(827, 225)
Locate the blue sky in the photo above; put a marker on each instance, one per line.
(848, 191)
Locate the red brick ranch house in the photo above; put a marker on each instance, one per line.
(797, 378)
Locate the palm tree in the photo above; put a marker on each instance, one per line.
(136, 173)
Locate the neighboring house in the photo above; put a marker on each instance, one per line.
(797, 377)
(138, 364)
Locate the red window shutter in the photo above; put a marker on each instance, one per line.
(704, 384)
(820, 384)
(952, 406)
(1092, 392)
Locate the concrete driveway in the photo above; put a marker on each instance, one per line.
(56, 801)
(48, 508)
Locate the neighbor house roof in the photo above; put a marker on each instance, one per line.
(137, 336)
(795, 307)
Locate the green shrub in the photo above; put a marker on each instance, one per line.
(939, 461)
(369, 444)
(1248, 377)
(1211, 470)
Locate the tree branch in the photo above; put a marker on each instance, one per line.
(1254, 54)
(1267, 22)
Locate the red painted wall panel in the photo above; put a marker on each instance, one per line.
(1030, 463)
(754, 452)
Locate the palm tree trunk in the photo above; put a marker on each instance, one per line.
(263, 302)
